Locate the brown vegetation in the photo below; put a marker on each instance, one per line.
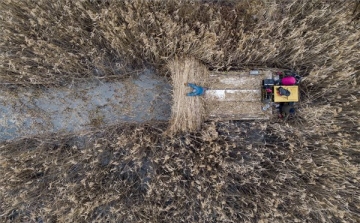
(188, 113)
(306, 170)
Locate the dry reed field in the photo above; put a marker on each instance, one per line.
(304, 170)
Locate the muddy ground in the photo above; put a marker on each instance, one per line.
(25, 112)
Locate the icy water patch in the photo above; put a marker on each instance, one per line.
(26, 112)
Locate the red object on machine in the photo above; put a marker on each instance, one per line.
(289, 80)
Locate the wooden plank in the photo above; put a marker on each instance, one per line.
(234, 82)
(233, 95)
(234, 108)
(237, 80)
(238, 117)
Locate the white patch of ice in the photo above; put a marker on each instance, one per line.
(220, 94)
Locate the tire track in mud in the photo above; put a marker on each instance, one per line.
(28, 112)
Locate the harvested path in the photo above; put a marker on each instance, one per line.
(27, 112)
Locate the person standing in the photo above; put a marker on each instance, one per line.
(197, 90)
(286, 109)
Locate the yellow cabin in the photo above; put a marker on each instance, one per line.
(293, 97)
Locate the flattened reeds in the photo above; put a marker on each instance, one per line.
(187, 112)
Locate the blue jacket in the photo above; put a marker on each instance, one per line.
(197, 90)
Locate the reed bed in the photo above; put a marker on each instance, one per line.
(304, 170)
